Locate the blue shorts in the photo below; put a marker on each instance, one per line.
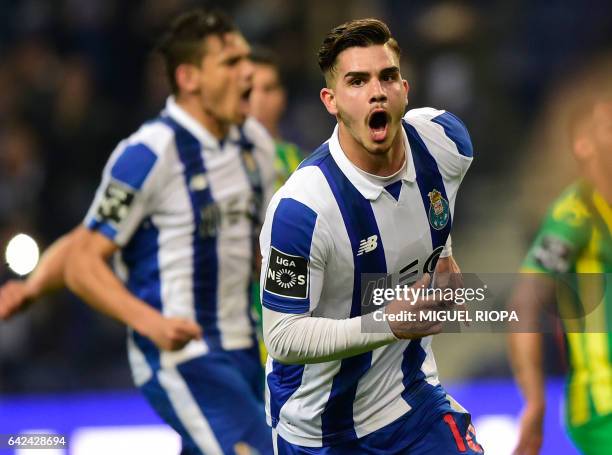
(215, 402)
(450, 433)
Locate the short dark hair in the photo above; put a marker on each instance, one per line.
(355, 33)
(264, 56)
(183, 41)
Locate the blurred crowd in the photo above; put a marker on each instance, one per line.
(76, 76)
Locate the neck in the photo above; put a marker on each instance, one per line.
(602, 183)
(380, 163)
(193, 106)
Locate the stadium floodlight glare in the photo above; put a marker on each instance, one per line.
(22, 254)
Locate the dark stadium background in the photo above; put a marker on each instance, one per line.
(76, 76)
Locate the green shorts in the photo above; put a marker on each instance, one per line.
(594, 437)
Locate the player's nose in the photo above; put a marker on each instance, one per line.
(377, 92)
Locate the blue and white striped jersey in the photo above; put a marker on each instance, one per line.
(324, 228)
(186, 210)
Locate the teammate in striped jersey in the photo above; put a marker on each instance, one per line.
(377, 197)
(575, 242)
(179, 207)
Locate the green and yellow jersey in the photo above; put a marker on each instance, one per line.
(575, 242)
(288, 158)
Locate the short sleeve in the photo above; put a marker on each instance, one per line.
(120, 202)
(564, 233)
(293, 258)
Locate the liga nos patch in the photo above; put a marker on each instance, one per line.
(287, 275)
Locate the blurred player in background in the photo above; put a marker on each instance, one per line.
(267, 104)
(177, 208)
(378, 197)
(575, 240)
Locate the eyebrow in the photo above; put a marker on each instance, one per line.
(362, 74)
(390, 70)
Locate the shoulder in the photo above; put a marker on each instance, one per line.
(442, 125)
(565, 231)
(305, 199)
(570, 208)
(444, 136)
(308, 186)
(155, 134)
(135, 157)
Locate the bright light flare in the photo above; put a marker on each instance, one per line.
(22, 254)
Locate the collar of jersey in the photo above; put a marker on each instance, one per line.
(368, 190)
(194, 127)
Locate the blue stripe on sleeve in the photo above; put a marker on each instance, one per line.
(456, 131)
(292, 230)
(133, 165)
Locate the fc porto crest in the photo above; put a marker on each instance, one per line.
(438, 210)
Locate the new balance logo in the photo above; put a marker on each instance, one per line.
(367, 245)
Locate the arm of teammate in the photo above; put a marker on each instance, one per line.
(48, 276)
(89, 276)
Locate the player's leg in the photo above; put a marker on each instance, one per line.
(230, 395)
(158, 398)
(451, 434)
(594, 437)
(214, 404)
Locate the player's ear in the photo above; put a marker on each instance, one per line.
(187, 77)
(406, 89)
(583, 148)
(329, 100)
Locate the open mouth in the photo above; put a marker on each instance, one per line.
(246, 94)
(244, 101)
(378, 125)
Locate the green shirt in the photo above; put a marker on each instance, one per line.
(575, 240)
(288, 158)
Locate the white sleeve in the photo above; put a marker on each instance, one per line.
(301, 338)
(122, 199)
